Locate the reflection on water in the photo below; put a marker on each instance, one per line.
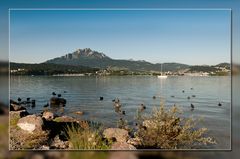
(82, 94)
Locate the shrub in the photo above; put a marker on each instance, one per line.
(166, 130)
(84, 136)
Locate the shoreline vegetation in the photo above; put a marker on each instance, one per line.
(162, 129)
(49, 69)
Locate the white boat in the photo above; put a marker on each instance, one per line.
(162, 76)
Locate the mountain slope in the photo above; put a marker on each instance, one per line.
(94, 59)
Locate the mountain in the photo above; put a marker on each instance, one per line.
(94, 59)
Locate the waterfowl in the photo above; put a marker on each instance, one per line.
(191, 88)
(33, 102)
(116, 100)
(19, 99)
(193, 95)
(123, 112)
(28, 99)
(183, 91)
(219, 104)
(100, 98)
(46, 105)
(59, 95)
(172, 96)
(53, 93)
(64, 91)
(142, 107)
(192, 106)
(188, 97)
(154, 97)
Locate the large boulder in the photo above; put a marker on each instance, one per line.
(122, 146)
(121, 135)
(48, 115)
(31, 123)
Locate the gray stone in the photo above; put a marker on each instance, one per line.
(16, 107)
(122, 146)
(121, 135)
(30, 123)
(59, 144)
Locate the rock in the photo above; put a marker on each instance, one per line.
(48, 115)
(44, 147)
(79, 112)
(16, 107)
(18, 114)
(30, 123)
(57, 101)
(134, 141)
(120, 135)
(122, 146)
(64, 119)
(59, 144)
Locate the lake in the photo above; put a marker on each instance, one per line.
(82, 94)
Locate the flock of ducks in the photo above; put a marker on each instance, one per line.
(116, 102)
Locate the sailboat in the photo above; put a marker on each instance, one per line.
(162, 76)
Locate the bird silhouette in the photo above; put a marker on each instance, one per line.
(53, 93)
(46, 105)
(142, 107)
(219, 104)
(19, 99)
(100, 98)
(192, 106)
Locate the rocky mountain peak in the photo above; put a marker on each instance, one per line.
(86, 52)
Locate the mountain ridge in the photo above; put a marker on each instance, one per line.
(95, 59)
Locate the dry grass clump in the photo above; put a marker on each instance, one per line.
(164, 129)
(83, 136)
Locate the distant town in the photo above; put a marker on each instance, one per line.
(27, 69)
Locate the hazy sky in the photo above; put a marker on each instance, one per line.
(185, 36)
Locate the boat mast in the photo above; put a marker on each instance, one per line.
(161, 70)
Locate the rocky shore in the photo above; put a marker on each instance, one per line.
(163, 129)
(48, 131)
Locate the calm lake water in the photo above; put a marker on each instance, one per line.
(82, 94)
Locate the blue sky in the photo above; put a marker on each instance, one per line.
(185, 36)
